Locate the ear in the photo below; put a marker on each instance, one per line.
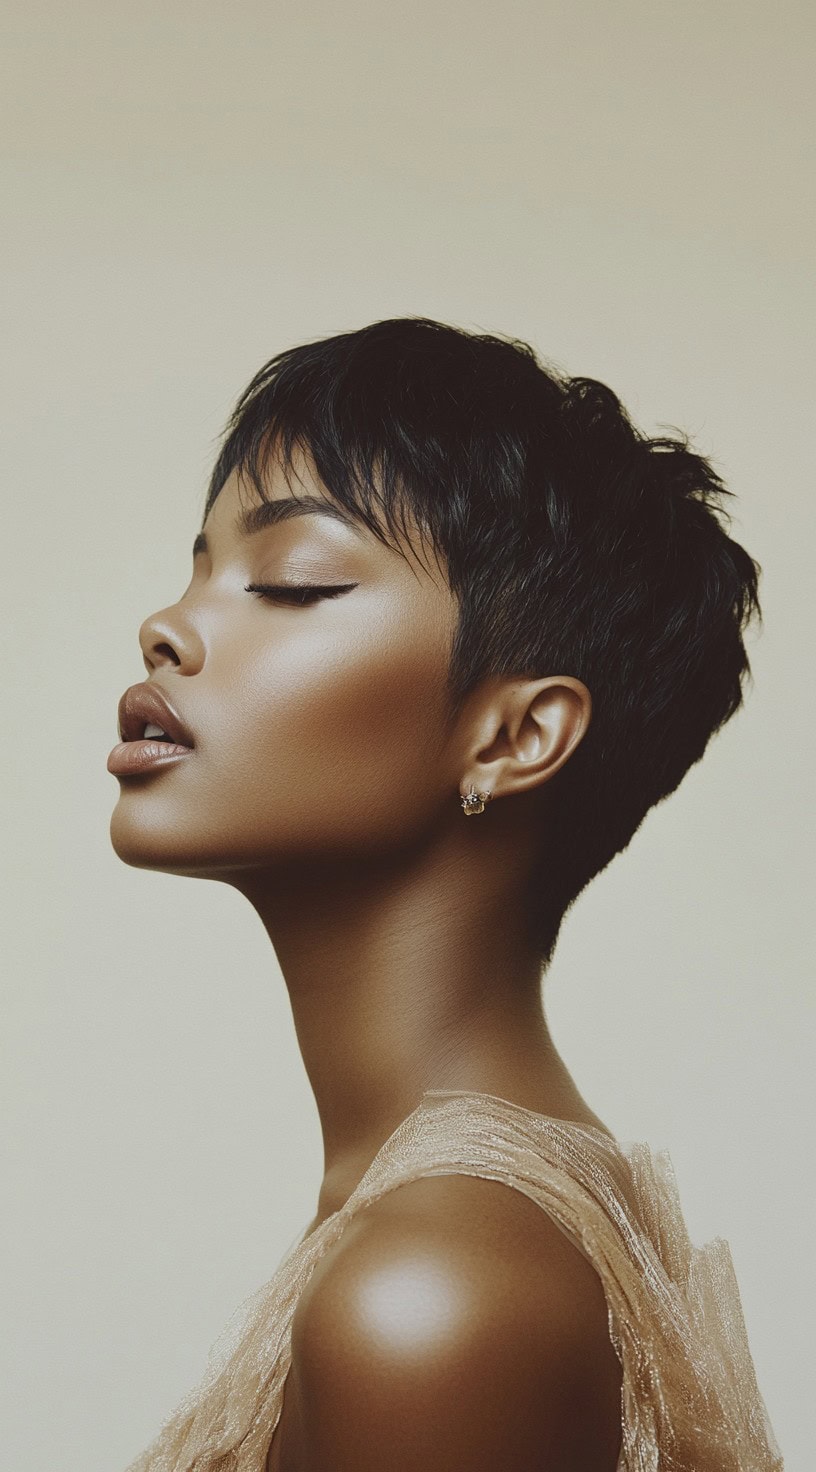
(524, 731)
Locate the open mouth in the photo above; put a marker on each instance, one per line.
(146, 714)
(155, 733)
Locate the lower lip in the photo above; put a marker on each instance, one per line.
(130, 757)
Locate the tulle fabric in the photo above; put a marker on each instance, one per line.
(689, 1399)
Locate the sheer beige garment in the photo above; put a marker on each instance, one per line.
(689, 1399)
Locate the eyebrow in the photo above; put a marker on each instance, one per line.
(268, 513)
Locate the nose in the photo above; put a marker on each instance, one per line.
(169, 638)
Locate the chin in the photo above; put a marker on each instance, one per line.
(145, 844)
(146, 840)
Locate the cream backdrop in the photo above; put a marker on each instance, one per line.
(189, 188)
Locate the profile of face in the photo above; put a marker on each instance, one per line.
(320, 718)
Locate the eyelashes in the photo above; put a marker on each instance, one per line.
(300, 594)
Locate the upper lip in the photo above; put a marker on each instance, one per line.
(145, 704)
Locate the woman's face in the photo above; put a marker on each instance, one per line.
(321, 728)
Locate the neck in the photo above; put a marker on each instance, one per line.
(403, 976)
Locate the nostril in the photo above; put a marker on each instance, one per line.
(167, 652)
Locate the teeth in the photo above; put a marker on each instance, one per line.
(155, 732)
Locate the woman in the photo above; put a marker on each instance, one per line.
(453, 627)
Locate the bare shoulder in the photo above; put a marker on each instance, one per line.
(452, 1326)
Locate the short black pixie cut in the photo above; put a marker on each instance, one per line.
(573, 543)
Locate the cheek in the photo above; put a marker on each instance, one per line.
(338, 735)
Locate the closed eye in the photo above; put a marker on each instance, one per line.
(297, 593)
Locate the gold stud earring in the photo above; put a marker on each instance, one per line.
(473, 801)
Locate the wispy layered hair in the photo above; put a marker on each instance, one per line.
(574, 544)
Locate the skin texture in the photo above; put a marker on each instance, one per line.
(453, 1327)
(325, 787)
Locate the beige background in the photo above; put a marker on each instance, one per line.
(189, 188)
